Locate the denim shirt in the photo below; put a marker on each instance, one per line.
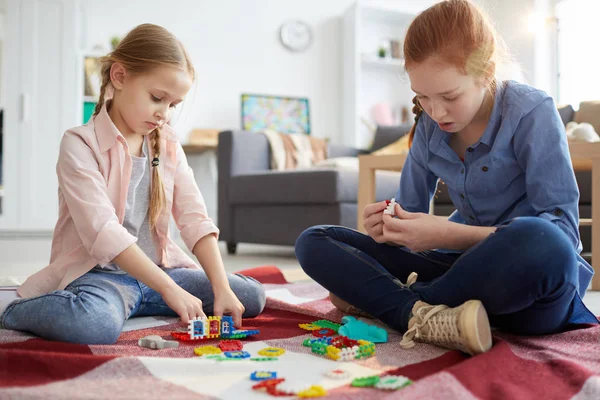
(521, 166)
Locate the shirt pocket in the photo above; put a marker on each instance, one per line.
(493, 175)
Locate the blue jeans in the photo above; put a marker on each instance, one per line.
(93, 308)
(525, 274)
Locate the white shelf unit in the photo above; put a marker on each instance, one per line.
(368, 79)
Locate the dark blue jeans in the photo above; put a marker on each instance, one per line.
(525, 274)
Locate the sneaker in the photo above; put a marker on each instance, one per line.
(465, 328)
(346, 307)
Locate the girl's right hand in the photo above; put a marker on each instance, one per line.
(186, 305)
(373, 220)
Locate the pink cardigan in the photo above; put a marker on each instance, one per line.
(94, 168)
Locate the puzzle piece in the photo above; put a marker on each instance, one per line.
(391, 207)
(356, 329)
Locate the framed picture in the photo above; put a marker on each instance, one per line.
(92, 78)
(282, 114)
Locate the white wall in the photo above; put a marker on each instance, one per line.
(533, 51)
(235, 48)
(510, 18)
(2, 44)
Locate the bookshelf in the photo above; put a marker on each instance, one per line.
(369, 79)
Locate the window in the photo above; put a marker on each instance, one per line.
(578, 55)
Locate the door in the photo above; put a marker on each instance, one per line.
(41, 102)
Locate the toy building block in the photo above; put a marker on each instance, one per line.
(341, 348)
(207, 350)
(243, 333)
(392, 382)
(323, 323)
(355, 329)
(271, 351)
(157, 342)
(263, 375)
(237, 354)
(365, 381)
(313, 391)
(198, 328)
(226, 326)
(391, 207)
(309, 327)
(212, 328)
(270, 386)
(324, 332)
(230, 345)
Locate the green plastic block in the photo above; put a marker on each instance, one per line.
(367, 381)
(323, 323)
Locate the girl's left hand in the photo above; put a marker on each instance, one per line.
(226, 302)
(416, 231)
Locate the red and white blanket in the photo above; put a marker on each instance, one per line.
(562, 366)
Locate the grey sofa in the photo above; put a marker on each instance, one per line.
(257, 205)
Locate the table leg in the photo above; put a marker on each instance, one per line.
(366, 192)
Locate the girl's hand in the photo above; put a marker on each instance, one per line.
(373, 221)
(416, 231)
(226, 302)
(186, 305)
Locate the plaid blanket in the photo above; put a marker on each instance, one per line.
(561, 366)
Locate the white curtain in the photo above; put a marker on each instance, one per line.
(578, 51)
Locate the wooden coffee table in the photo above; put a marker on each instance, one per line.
(585, 157)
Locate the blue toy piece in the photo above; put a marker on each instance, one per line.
(263, 375)
(226, 326)
(357, 330)
(237, 354)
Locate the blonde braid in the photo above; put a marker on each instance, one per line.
(105, 73)
(157, 197)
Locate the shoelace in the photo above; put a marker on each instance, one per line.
(443, 329)
(412, 278)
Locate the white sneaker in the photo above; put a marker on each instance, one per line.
(465, 328)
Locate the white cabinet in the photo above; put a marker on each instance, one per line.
(367, 79)
(41, 95)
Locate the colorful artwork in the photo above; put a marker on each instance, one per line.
(281, 114)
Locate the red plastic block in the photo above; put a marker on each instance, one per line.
(230, 345)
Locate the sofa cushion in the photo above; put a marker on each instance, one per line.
(308, 186)
(589, 111)
(566, 113)
(385, 135)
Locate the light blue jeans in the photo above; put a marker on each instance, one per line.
(93, 308)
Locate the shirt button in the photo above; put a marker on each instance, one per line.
(470, 149)
(462, 171)
(462, 196)
(558, 212)
(484, 168)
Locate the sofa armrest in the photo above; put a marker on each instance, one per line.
(238, 152)
(336, 150)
